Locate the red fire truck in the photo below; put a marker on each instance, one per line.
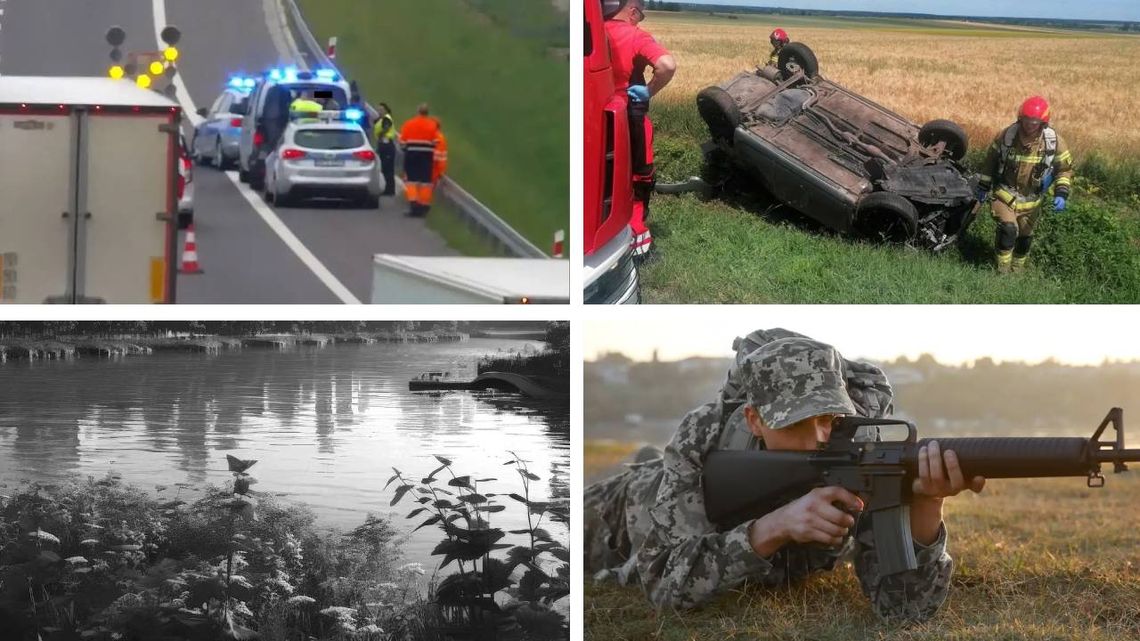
(611, 275)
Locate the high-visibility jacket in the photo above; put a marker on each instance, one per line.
(305, 106)
(385, 129)
(1016, 172)
(439, 165)
(417, 139)
(774, 58)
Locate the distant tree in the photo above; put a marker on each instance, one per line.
(558, 336)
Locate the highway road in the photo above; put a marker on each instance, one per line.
(250, 252)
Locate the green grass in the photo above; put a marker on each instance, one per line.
(1034, 559)
(740, 248)
(456, 232)
(501, 92)
(934, 27)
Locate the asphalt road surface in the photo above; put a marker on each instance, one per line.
(250, 252)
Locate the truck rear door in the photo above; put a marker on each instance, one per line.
(35, 193)
(126, 244)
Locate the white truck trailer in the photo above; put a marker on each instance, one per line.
(88, 191)
(456, 279)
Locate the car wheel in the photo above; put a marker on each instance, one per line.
(219, 157)
(796, 56)
(720, 112)
(886, 216)
(243, 175)
(947, 131)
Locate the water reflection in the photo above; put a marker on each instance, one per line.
(327, 423)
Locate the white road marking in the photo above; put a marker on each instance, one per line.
(280, 228)
(292, 241)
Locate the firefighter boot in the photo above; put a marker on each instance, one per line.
(1004, 261)
(1020, 253)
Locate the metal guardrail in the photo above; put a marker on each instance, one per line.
(478, 216)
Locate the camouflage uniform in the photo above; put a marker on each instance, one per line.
(648, 525)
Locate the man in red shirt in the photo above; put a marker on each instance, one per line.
(632, 51)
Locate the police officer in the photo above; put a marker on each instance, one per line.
(304, 106)
(647, 525)
(1024, 160)
(384, 133)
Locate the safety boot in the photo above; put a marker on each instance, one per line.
(1018, 263)
(1004, 261)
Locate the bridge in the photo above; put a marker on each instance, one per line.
(501, 381)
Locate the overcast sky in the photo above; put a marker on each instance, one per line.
(1074, 334)
(1089, 10)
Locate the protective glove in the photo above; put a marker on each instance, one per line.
(982, 194)
(1059, 203)
(638, 93)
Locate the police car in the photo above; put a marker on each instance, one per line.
(216, 138)
(268, 112)
(326, 156)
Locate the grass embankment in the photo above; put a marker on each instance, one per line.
(494, 75)
(1034, 559)
(603, 456)
(721, 251)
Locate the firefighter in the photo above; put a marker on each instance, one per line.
(778, 38)
(632, 51)
(305, 106)
(1025, 159)
(384, 134)
(418, 140)
(439, 160)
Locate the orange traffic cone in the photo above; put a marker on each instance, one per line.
(190, 254)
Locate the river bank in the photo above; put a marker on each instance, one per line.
(69, 347)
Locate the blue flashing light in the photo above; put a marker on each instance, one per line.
(249, 83)
(353, 114)
(236, 82)
(326, 74)
(290, 74)
(276, 75)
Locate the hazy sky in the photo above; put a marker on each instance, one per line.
(1075, 334)
(1089, 10)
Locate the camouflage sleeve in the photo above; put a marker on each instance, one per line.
(907, 596)
(1062, 169)
(684, 561)
(989, 167)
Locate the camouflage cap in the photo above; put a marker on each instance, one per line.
(790, 379)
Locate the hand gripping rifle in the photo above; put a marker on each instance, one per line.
(741, 485)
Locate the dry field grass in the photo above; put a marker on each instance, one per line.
(972, 74)
(1034, 559)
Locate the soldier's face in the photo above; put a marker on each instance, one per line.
(804, 435)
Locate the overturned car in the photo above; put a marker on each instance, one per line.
(838, 158)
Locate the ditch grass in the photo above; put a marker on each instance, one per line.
(501, 92)
(1034, 559)
(603, 455)
(741, 247)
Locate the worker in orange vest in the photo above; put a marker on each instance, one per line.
(418, 141)
(439, 164)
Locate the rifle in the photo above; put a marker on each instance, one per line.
(741, 485)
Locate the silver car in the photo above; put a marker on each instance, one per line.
(217, 137)
(328, 158)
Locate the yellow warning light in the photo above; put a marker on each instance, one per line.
(143, 81)
(116, 72)
(170, 53)
(156, 68)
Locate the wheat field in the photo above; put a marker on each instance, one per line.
(973, 74)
